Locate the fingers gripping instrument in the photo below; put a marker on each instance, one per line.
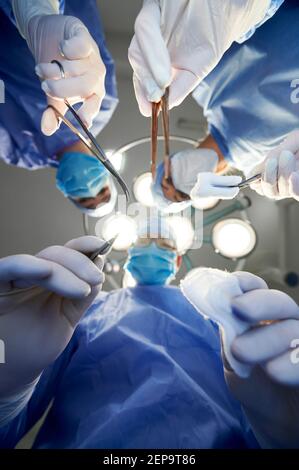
(90, 142)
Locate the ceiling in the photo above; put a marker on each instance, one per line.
(119, 16)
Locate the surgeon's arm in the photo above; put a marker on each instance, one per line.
(270, 396)
(178, 43)
(24, 11)
(279, 171)
(271, 409)
(210, 143)
(52, 36)
(260, 330)
(36, 324)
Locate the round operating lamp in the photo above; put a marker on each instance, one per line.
(122, 225)
(234, 238)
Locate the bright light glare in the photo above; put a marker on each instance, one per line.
(117, 159)
(128, 280)
(142, 189)
(233, 238)
(123, 225)
(184, 232)
(205, 203)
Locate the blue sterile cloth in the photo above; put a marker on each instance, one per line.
(143, 370)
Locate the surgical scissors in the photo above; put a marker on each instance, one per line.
(162, 106)
(90, 142)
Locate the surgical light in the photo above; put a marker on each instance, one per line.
(142, 189)
(128, 280)
(123, 225)
(183, 230)
(233, 238)
(116, 158)
(205, 203)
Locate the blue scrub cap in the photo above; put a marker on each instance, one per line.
(80, 175)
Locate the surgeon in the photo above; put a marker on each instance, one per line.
(86, 182)
(36, 32)
(177, 44)
(154, 258)
(249, 105)
(142, 360)
(240, 97)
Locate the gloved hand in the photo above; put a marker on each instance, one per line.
(258, 325)
(172, 195)
(211, 292)
(186, 165)
(280, 171)
(66, 39)
(212, 185)
(37, 324)
(270, 396)
(269, 345)
(178, 43)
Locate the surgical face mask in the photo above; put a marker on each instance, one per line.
(80, 175)
(151, 265)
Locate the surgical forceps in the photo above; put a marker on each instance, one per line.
(90, 142)
(104, 250)
(247, 182)
(162, 106)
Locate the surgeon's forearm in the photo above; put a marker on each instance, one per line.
(272, 410)
(210, 143)
(274, 433)
(12, 405)
(25, 10)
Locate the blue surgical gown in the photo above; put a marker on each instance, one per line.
(247, 98)
(143, 370)
(21, 140)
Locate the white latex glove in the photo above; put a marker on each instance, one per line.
(37, 324)
(270, 345)
(212, 185)
(280, 171)
(211, 292)
(64, 38)
(178, 43)
(270, 394)
(186, 165)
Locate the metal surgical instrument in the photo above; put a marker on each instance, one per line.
(90, 142)
(162, 106)
(247, 182)
(104, 250)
